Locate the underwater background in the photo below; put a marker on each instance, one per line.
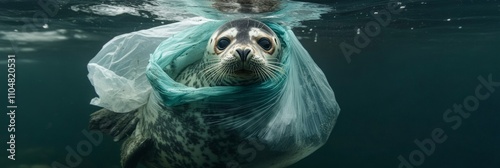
(400, 86)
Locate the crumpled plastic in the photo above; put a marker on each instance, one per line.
(117, 72)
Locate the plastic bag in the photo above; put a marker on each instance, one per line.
(296, 110)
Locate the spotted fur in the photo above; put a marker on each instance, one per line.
(183, 139)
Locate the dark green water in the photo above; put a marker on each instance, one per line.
(394, 92)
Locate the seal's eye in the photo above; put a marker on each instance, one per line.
(265, 43)
(223, 43)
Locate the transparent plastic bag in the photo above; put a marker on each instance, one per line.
(117, 72)
(294, 111)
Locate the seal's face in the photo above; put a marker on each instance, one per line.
(244, 49)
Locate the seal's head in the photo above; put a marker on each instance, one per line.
(243, 49)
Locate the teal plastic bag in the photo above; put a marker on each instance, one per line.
(295, 110)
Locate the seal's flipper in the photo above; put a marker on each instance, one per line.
(133, 149)
(118, 125)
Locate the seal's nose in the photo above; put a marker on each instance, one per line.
(243, 54)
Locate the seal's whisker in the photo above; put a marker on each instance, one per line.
(274, 61)
(212, 72)
(270, 74)
(221, 74)
(224, 75)
(275, 71)
(262, 75)
(274, 67)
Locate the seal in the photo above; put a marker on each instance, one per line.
(240, 52)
